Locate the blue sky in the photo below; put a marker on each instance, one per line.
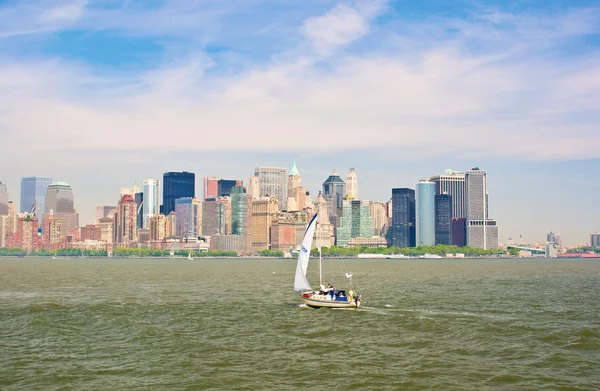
(102, 93)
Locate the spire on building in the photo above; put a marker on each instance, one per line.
(294, 171)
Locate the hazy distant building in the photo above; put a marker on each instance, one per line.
(151, 205)
(125, 224)
(272, 181)
(210, 187)
(33, 192)
(264, 209)
(351, 185)
(60, 200)
(26, 235)
(11, 222)
(482, 232)
(241, 217)
(403, 218)
(551, 238)
(177, 185)
(453, 184)
(4, 198)
(188, 212)
(105, 211)
(459, 232)
(324, 231)
(3, 230)
(224, 187)
(253, 188)
(52, 231)
(355, 221)
(595, 240)
(216, 216)
(297, 196)
(139, 201)
(425, 213)
(158, 229)
(443, 219)
(378, 212)
(334, 189)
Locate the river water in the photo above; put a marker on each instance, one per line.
(236, 324)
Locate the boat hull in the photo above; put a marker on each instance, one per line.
(328, 303)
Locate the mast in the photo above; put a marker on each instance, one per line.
(320, 258)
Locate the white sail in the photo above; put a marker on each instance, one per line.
(300, 282)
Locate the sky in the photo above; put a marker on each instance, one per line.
(102, 93)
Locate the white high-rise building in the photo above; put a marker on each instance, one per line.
(452, 182)
(272, 181)
(481, 231)
(3, 200)
(151, 201)
(351, 185)
(425, 212)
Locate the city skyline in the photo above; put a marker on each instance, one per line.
(397, 90)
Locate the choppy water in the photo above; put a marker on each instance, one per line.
(214, 324)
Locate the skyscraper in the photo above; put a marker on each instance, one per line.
(334, 189)
(595, 240)
(253, 188)
(139, 202)
(272, 181)
(151, 201)
(453, 184)
(403, 218)
(481, 231)
(351, 185)
(104, 212)
(177, 185)
(125, 232)
(60, 200)
(210, 187)
(443, 219)
(425, 213)
(241, 216)
(3, 200)
(33, 192)
(216, 216)
(224, 187)
(188, 211)
(355, 221)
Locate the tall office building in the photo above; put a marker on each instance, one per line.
(334, 189)
(263, 211)
(443, 219)
(351, 185)
(403, 218)
(3, 200)
(125, 230)
(241, 216)
(272, 182)
(253, 188)
(224, 187)
(324, 231)
(452, 182)
(595, 240)
(482, 232)
(297, 196)
(60, 200)
(188, 212)
(151, 201)
(210, 187)
(105, 212)
(551, 238)
(177, 185)
(139, 201)
(355, 222)
(425, 212)
(33, 192)
(378, 211)
(216, 216)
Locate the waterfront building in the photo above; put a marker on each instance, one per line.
(216, 216)
(241, 217)
(11, 222)
(125, 230)
(188, 212)
(595, 240)
(403, 218)
(355, 221)
(106, 227)
(378, 212)
(26, 235)
(52, 231)
(443, 219)
(324, 230)
(90, 232)
(4, 198)
(210, 187)
(104, 212)
(372, 242)
(264, 210)
(171, 225)
(482, 232)
(3, 230)
(33, 193)
(177, 185)
(459, 232)
(452, 182)
(272, 182)
(224, 187)
(60, 201)
(287, 231)
(425, 213)
(158, 228)
(151, 201)
(351, 185)
(334, 189)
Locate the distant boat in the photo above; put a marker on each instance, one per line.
(190, 256)
(430, 256)
(324, 297)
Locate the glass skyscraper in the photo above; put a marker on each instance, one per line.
(443, 219)
(33, 192)
(355, 221)
(425, 213)
(177, 185)
(403, 218)
(272, 181)
(151, 203)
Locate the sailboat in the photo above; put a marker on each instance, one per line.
(324, 297)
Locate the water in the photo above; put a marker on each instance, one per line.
(215, 324)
